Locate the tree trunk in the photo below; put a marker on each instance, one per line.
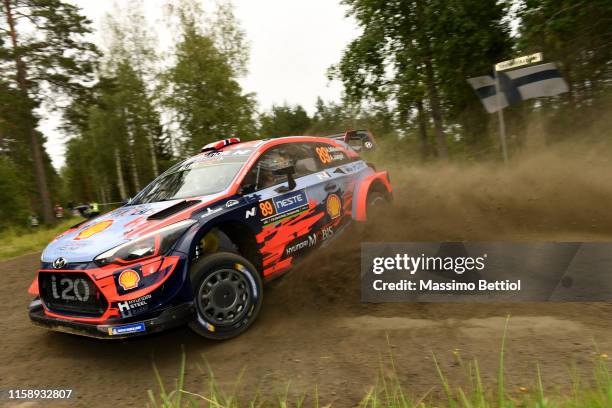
(422, 130)
(131, 141)
(430, 83)
(120, 182)
(153, 157)
(436, 111)
(35, 145)
(135, 177)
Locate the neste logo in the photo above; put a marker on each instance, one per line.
(291, 201)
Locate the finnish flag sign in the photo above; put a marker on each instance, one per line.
(519, 84)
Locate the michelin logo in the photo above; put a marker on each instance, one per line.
(127, 329)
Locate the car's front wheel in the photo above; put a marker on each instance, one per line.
(228, 293)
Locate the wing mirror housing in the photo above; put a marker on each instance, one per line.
(288, 171)
(246, 189)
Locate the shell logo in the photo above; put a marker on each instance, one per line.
(94, 229)
(334, 206)
(129, 279)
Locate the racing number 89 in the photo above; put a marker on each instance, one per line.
(324, 155)
(266, 208)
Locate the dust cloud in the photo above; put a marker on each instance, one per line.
(560, 194)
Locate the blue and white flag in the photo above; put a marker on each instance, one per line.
(519, 84)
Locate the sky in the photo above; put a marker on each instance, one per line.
(292, 44)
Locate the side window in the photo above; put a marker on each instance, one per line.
(330, 156)
(299, 155)
(305, 162)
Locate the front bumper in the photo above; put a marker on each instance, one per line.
(170, 317)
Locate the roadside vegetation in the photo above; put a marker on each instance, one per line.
(16, 241)
(130, 109)
(389, 392)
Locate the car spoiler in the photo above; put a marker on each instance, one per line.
(358, 140)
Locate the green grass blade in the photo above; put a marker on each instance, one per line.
(500, 373)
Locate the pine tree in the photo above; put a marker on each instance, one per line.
(56, 57)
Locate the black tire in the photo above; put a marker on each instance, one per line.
(228, 293)
(376, 205)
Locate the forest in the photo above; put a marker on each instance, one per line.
(130, 111)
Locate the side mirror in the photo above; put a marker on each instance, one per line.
(246, 189)
(288, 171)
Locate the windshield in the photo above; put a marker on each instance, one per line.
(190, 180)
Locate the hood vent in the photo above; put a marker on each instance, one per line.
(173, 209)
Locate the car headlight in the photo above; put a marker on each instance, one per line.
(152, 244)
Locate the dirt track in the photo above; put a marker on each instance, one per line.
(314, 331)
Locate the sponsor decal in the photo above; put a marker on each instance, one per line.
(334, 206)
(278, 217)
(72, 246)
(325, 233)
(126, 329)
(129, 279)
(231, 203)
(250, 213)
(134, 306)
(310, 240)
(283, 206)
(210, 211)
(291, 201)
(136, 210)
(94, 229)
(353, 167)
(217, 155)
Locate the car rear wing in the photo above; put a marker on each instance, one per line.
(358, 140)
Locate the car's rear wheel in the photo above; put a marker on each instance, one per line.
(228, 293)
(376, 205)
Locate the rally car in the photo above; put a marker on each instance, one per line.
(196, 245)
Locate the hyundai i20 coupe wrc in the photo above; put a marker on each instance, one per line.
(196, 245)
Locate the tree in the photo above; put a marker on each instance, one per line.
(109, 156)
(418, 54)
(284, 120)
(14, 201)
(118, 143)
(577, 35)
(56, 57)
(132, 56)
(202, 90)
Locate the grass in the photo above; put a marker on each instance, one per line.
(388, 392)
(15, 242)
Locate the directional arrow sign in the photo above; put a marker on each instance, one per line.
(519, 61)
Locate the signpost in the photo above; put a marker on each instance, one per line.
(502, 66)
(519, 61)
